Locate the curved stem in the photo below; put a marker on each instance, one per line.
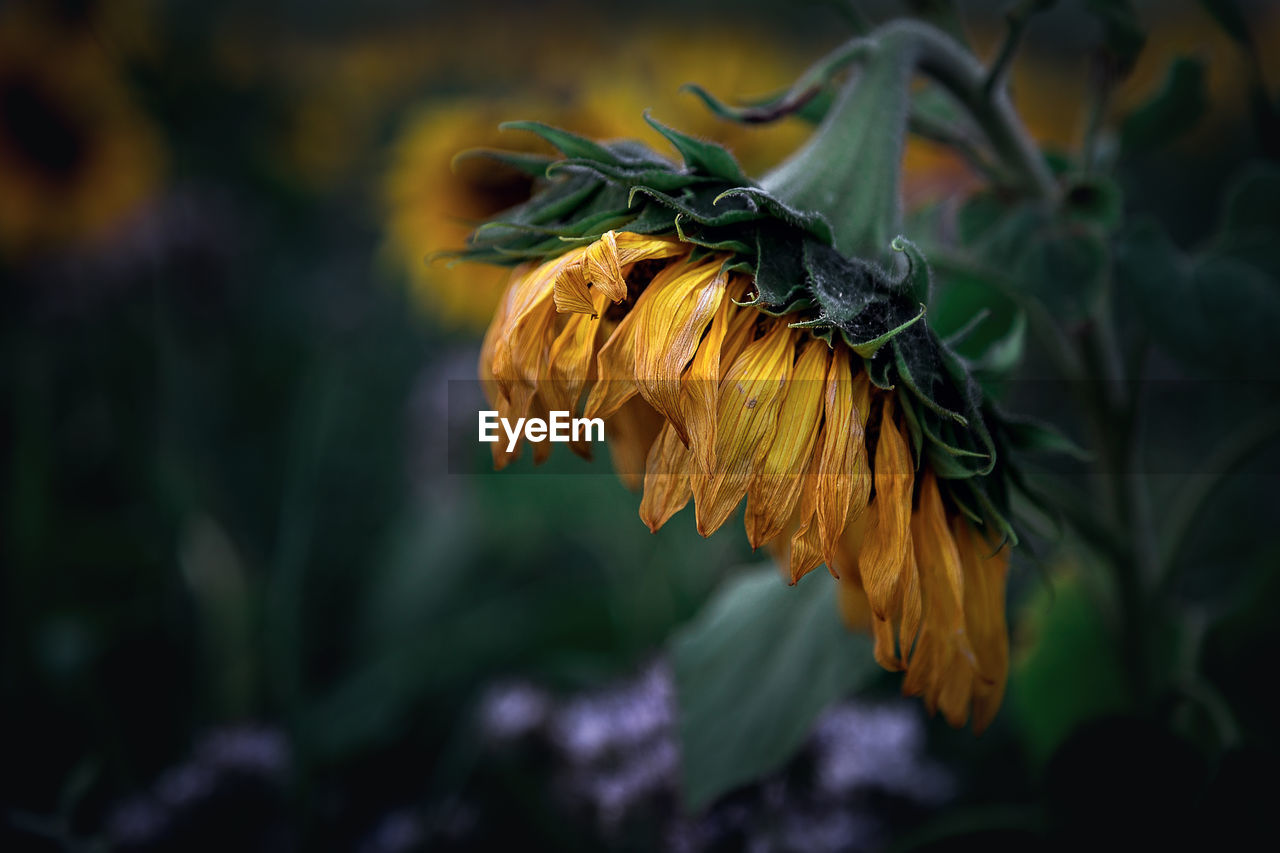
(850, 168)
(960, 73)
(981, 92)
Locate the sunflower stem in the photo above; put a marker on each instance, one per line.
(850, 169)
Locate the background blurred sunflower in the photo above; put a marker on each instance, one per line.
(76, 155)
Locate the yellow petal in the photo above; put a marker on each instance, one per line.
(498, 327)
(666, 479)
(747, 415)
(603, 268)
(884, 551)
(522, 349)
(572, 292)
(805, 550)
(843, 475)
(701, 383)
(604, 265)
(633, 248)
(911, 604)
(774, 489)
(616, 365)
(684, 299)
(985, 577)
(939, 561)
(941, 668)
(570, 360)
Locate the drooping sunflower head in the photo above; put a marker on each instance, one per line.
(711, 400)
(738, 347)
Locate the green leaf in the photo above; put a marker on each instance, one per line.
(1213, 312)
(1174, 110)
(1066, 267)
(1070, 674)
(752, 673)
(1250, 228)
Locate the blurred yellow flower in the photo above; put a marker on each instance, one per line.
(432, 208)
(76, 155)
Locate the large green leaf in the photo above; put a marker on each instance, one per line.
(752, 673)
(1072, 671)
(1250, 228)
(1173, 111)
(1214, 312)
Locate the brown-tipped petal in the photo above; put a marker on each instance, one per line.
(912, 605)
(885, 653)
(631, 432)
(805, 550)
(742, 328)
(498, 327)
(798, 547)
(984, 591)
(572, 293)
(747, 415)
(701, 384)
(666, 479)
(521, 345)
(842, 470)
(603, 268)
(884, 551)
(684, 299)
(955, 689)
(939, 562)
(633, 248)
(774, 489)
(616, 364)
(844, 560)
(570, 360)
(941, 668)
(541, 449)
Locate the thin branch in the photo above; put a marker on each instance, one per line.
(1229, 456)
(1017, 18)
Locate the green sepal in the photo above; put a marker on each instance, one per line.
(918, 281)
(702, 155)
(533, 165)
(569, 144)
(1028, 434)
(869, 348)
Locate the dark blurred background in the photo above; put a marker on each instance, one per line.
(245, 602)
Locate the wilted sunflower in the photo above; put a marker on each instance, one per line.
(733, 343)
